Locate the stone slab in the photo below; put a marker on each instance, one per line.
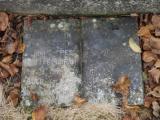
(51, 66)
(65, 57)
(80, 7)
(106, 56)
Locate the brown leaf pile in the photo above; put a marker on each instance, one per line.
(39, 113)
(11, 49)
(78, 101)
(132, 112)
(149, 33)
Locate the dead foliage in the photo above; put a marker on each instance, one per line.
(149, 32)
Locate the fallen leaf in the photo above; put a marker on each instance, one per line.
(157, 64)
(155, 42)
(145, 31)
(133, 45)
(4, 73)
(127, 117)
(12, 47)
(7, 59)
(21, 47)
(148, 56)
(17, 63)
(17, 85)
(133, 110)
(155, 92)
(13, 97)
(148, 101)
(156, 21)
(4, 21)
(79, 101)
(147, 65)
(156, 108)
(122, 85)
(155, 73)
(39, 113)
(34, 96)
(146, 45)
(145, 114)
(155, 51)
(11, 68)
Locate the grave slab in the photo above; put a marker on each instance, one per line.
(51, 66)
(107, 56)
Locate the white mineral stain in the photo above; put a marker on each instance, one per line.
(27, 103)
(94, 20)
(63, 26)
(52, 25)
(124, 44)
(67, 87)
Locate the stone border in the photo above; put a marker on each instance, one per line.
(80, 7)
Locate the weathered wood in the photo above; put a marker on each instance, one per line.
(80, 7)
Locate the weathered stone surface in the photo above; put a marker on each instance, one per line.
(106, 56)
(51, 61)
(80, 7)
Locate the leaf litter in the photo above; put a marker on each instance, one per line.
(12, 48)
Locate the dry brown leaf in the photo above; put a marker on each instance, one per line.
(145, 31)
(155, 92)
(17, 63)
(34, 96)
(148, 101)
(17, 84)
(155, 73)
(157, 64)
(4, 21)
(39, 113)
(13, 97)
(79, 101)
(21, 47)
(127, 117)
(148, 56)
(155, 51)
(156, 21)
(146, 46)
(12, 47)
(11, 68)
(145, 114)
(155, 42)
(156, 108)
(4, 73)
(7, 59)
(122, 85)
(148, 64)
